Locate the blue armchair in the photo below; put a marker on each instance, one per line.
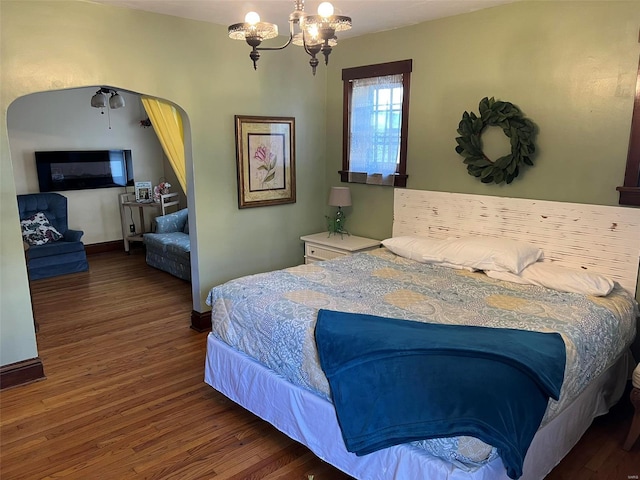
(58, 256)
(169, 248)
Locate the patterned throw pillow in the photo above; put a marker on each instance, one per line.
(36, 230)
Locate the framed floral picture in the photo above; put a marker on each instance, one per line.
(265, 151)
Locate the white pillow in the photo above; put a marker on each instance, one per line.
(420, 249)
(485, 253)
(563, 279)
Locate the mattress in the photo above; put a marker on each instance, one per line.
(271, 318)
(309, 419)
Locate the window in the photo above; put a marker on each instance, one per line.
(375, 123)
(630, 192)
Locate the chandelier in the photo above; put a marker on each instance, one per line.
(315, 33)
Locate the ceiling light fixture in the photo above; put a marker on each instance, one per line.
(99, 100)
(317, 33)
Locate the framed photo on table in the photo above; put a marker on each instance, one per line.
(265, 151)
(144, 192)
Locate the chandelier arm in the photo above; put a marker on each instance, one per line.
(277, 48)
(306, 47)
(282, 47)
(312, 52)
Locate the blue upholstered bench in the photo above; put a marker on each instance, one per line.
(169, 248)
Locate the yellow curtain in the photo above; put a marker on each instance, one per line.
(167, 123)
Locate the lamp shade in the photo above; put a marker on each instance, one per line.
(116, 101)
(99, 100)
(340, 197)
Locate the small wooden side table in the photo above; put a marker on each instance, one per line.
(321, 246)
(128, 200)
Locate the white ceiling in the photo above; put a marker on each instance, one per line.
(368, 15)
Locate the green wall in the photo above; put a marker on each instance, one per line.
(64, 44)
(570, 66)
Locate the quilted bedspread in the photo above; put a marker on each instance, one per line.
(271, 317)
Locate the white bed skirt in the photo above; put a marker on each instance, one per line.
(311, 420)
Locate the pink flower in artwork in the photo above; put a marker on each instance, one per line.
(261, 154)
(268, 160)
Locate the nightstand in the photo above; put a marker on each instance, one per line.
(321, 246)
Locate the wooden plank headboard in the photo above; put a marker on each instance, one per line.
(597, 238)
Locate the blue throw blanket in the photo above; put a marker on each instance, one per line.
(396, 381)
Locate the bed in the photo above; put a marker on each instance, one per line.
(262, 343)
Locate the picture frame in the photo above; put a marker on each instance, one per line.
(144, 192)
(265, 154)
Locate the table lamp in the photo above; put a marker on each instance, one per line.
(338, 197)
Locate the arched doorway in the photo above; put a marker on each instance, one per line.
(66, 120)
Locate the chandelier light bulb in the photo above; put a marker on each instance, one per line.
(313, 32)
(325, 9)
(252, 18)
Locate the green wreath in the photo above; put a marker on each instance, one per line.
(519, 130)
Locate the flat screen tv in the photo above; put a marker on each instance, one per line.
(83, 169)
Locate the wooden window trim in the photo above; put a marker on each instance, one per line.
(630, 191)
(378, 70)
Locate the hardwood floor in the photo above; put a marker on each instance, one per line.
(125, 398)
